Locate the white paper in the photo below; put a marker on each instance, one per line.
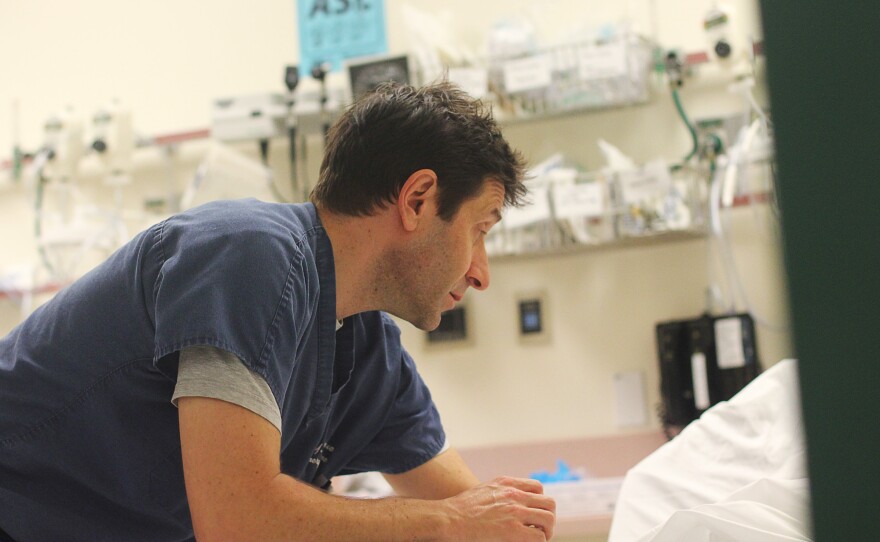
(729, 343)
(527, 73)
(629, 394)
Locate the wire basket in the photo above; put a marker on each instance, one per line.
(571, 209)
(573, 76)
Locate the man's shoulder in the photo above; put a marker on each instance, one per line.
(250, 214)
(246, 224)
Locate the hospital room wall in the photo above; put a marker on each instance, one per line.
(167, 60)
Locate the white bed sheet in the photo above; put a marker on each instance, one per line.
(736, 474)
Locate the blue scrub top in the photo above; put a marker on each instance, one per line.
(89, 440)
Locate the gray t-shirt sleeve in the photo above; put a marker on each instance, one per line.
(206, 371)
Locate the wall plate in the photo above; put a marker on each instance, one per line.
(532, 317)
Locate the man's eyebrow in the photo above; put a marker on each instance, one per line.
(497, 214)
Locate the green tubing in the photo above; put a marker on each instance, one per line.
(687, 123)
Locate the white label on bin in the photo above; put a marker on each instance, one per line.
(701, 381)
(644, 185)
(578, 201)
(604, 61)
(527, 73)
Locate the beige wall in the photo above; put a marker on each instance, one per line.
(603, 306)
(167, 60)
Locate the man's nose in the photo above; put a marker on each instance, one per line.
(478, 273)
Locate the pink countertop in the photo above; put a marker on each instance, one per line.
(600, 457)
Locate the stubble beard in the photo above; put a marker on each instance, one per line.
(404, 283)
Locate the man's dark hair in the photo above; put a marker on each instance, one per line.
(396, 130)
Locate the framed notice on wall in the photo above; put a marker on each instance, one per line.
(335, 30)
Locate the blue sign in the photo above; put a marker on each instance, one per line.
(334, 30)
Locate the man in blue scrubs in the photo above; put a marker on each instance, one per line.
(210, 378)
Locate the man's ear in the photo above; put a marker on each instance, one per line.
(417, 198)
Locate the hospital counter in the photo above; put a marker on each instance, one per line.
(602, 458)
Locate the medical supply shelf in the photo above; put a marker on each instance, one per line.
(675, 236)
(574, 211)
(569, 247)
(569, 77)
(522, 120)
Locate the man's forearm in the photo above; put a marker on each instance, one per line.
(444, 476)
(236, 492)
(287, 509)
(508, 509)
